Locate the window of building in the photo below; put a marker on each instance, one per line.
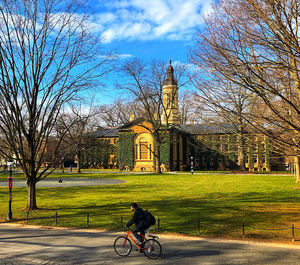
(143, 147)
(136, 151)
(225, 147)
(143, 150)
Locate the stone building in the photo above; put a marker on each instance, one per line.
(208, 146)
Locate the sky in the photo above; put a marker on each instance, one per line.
(155, 29)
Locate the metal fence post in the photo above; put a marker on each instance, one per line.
(158, 224)
(198, 224)
(243, 230)
(27, 216)
(87, 220)
(121, 221)
(293, 233)
(56, 218)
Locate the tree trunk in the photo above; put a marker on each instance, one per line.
(78, 163)
(297, 168)
(157, 159)
(241, 147)
(242, 161)
(31, 197)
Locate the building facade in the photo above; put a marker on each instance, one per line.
(209, 147)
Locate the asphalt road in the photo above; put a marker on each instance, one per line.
(67, 182)
(20, 245)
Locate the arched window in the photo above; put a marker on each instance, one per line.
(143, 147)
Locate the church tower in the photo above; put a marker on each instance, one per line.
(170, 98)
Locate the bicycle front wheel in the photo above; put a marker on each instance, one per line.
(152, 249)
(122, 246)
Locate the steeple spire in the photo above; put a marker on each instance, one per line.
(170, 98)
(170, 80)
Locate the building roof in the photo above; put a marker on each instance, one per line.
(131, 123)
(107, 132)
(194, 129)
(206, 128)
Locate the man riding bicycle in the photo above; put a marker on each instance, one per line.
(139, 219)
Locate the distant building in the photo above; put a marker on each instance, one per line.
(210, 147)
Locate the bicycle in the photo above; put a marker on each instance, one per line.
(150, 247)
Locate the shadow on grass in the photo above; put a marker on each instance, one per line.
(219, 213)
(184, 216)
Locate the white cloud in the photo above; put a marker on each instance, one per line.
(124, 55)
(117, 56)
(148, 20)
(192, 68)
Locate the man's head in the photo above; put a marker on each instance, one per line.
(133, 206)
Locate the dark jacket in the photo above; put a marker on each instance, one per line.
(138, 217)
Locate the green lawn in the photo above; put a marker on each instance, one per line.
(221, 202)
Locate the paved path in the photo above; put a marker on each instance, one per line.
(68, 182)
(27, 245)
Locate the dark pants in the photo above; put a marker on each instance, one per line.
(140, 227)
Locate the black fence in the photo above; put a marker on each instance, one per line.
(89, 221)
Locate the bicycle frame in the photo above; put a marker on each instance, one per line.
(129, 234)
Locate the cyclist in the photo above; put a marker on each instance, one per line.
(139, 220)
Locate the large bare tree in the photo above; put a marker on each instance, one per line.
(145, 82)
(47, 55)
(254, 44)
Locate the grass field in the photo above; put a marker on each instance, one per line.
(222, 203)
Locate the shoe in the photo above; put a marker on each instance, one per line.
(140, 250)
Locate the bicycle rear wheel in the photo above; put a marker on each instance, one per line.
(152, 249)
(122, 246)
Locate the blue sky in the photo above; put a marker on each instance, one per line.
(156, 29)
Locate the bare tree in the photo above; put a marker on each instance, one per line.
(225, 104)
(118, 113)
(78, 126)
(188, 110)
(254, 44)
(145, 83)
(47, 55)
